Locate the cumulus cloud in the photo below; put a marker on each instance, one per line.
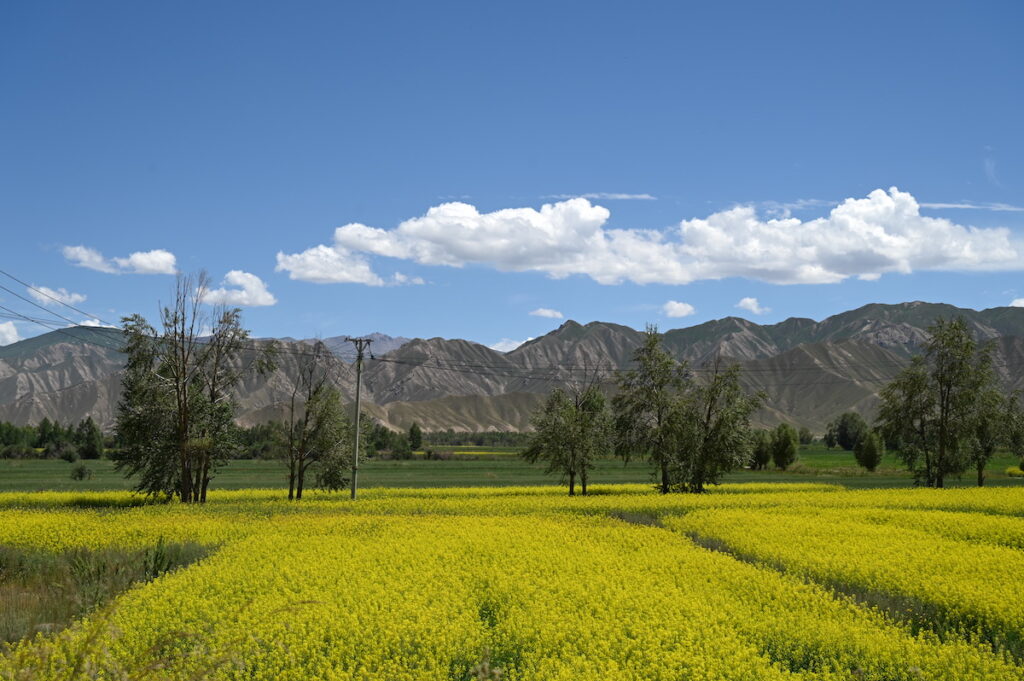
(1017, 302)
(751, 305)
(868, 237)
(507, 344)
(157, 261)
(249, 291)
(674, 308)
(8, 333)
(546, 312)
(48, 296)
(336, 265)
(96, 323)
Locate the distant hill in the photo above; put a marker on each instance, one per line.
(810, 370)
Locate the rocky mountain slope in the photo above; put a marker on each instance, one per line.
(810, 370)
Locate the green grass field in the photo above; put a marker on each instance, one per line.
(494, 467)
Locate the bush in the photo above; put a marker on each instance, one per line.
(67, 452)
(81, 472)
(806, 436)
(17, 452)
(868, 451)
(1015, 472)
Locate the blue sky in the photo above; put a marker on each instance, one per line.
(699, 155)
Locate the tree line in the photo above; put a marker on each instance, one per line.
(942, 415)
(50, 439)
(692, 431)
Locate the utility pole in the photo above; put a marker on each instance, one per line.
(361, 344)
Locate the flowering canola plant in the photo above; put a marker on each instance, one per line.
(524, 583)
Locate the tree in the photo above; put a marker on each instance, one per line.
(831, 438)
(805, 436)
(314, 415)
(1013, 423)
(868, 451)
(784, 446)
(713, 429)
(847, 430)
(175, 417)
(415, 437)
(762, 450)
(930, 406)
(645, 403)
(570, 432)
(987, 429)
(89, 439)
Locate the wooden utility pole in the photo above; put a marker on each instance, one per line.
(361, 345)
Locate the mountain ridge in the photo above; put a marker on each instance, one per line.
(811, 370)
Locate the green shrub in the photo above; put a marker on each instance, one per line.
(81, 472)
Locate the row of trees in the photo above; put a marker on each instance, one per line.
(942, 415)
(692, 430)
(51, 439)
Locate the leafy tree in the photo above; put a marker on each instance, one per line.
(174, 419)
(48, 433)
(868, 451)
(713, 429)
(831, 438)
(314, 416)
(89, 439)
(645, 403)
(847, 430)
(784, 446)
(930, 406)
(571, 431)
(805, 436)
(1013, 420)
(400, 447)
(415, 437)
(988, 428)
(762, 450)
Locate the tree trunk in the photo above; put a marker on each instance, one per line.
(981, 474)
(291, 480)
(299, 481)
(664, 476)
(572, 483)
(583, 482)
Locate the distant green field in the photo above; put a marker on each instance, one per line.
(496, 466)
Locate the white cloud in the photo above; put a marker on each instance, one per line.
(674, 308)
(882, 233)
(605, 196)
(1017, 302)
(508, 345)
(751, 305)
(96, 323)
(48, 296)
(546, 312)
(998, 207)
(336, 265)
(8, 333)
(250, 291)
(83, 256)
(157, 261)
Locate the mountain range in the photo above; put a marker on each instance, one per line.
(810, 370)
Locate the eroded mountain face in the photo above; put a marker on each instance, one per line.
(810, 370)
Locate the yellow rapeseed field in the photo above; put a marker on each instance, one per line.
(746, 582)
